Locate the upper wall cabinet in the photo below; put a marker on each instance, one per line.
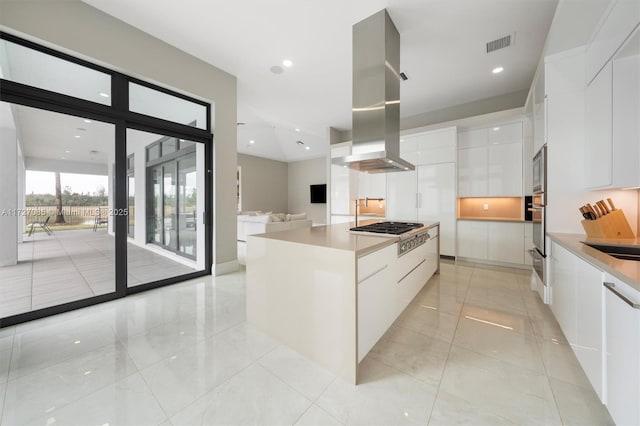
(619, 21)
(490, 161)
(612, 148)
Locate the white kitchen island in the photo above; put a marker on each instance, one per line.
(330, 294)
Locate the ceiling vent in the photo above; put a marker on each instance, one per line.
(499, 43)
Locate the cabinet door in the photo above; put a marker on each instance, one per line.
(563, 296)
(539, 116)
(598, 142)
(472, 239)
(402, 196)
(528, 242)
(472, 172)
(371, 185)
(472, 138)
(622, 325)
(589, 293)
(506, 133)
(505, 170)
(437, 201)
(506, 242)
(439, 146)
(376, 297)
(339, 190)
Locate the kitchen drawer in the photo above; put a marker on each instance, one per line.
(371, 263)
(412, 283)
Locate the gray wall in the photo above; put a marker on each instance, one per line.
(301, 175)
(263, 184)
(78, 27)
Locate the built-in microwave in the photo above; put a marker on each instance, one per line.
(540, 173)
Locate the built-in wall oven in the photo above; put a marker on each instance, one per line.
(537, 208)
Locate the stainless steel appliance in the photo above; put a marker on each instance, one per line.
(537, 209)
(392, 228)
(376, 98)
(410, 235)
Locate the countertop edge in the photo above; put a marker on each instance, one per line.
(573, 243)
(494, 219)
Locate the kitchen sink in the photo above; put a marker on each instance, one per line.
(619, 252)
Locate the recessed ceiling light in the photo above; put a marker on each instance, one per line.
(390, 161)
(87, 121)
(297, 130)
(77, 136)
(300, 143)
(252, 141)
(287, 63)
(62, 158)
(495, 129)
(307, 148)
(67, 151)
(104, 95)
(406, 168)
(497, 70)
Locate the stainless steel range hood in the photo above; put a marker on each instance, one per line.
(376, 98)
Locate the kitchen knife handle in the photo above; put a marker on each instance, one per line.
(595, 209)
(613, 206)
(605, 207)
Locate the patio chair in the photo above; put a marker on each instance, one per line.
(99, 220)
(44, 225)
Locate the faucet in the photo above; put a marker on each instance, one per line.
(366, 203)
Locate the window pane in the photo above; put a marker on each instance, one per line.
(153, 152)
(169, 146)
(151, 102)
(31, 67)
(57, 242)
(168, 238)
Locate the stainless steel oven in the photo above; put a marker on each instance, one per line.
(537, 209)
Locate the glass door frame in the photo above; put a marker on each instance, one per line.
(119, 115)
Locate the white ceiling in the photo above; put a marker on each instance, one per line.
(442, 52)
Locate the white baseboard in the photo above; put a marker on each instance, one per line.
(225, 268)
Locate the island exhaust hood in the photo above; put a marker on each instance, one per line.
(376, 98)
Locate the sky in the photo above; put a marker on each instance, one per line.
(45, 183)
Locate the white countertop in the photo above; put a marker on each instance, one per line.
(627, 271)
(338, 237)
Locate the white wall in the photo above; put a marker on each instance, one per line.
(263, 184)
(98, 37)
(8, 188)
(301, 175)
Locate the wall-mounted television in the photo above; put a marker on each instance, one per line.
(318, 193)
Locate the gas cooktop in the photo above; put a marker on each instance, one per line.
(393, 228)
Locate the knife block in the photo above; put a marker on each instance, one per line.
(612, 225)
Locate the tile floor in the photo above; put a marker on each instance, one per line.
(73, 265)
(476, 346)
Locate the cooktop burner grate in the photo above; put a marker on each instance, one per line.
(394, 228)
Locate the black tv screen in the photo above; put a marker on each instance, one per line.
(318, 193)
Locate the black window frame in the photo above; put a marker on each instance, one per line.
(117, 113)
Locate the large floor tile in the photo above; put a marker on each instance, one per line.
(450, 410)
(434, 297)
(49, 345)
(384, 396)
(184, 377)
(6, 338)
(316, 416)
(254, 396)
(511, 321)
(421, 356)
(126, 402)
(500, 342)
(46, 390)
(579, 406)
(5, 360)
(428, 321)
(499, 388)
(498, 299)
(561, 363)
(301, 374)
(165, 340)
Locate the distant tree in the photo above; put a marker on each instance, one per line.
(101, 191)
(59, 215)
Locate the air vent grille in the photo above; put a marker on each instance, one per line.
(499, 43)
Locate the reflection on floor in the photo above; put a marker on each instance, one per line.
(476, 346)
(73, 265)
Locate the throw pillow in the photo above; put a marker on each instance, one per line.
(278, 217)
(299, 216)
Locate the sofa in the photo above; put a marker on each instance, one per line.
(250, 223)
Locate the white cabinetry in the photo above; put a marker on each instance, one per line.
(490, 161)
(340, 182)
(376, 293)
(576, 302)
(539, 111)
(372, 185)
(612, 109)
(623, 16)
(501, 242)
(429, 192)
(505, 242)
(622, 330)
(528, 242)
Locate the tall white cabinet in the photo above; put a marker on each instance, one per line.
(490, 161)
(428, 192)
